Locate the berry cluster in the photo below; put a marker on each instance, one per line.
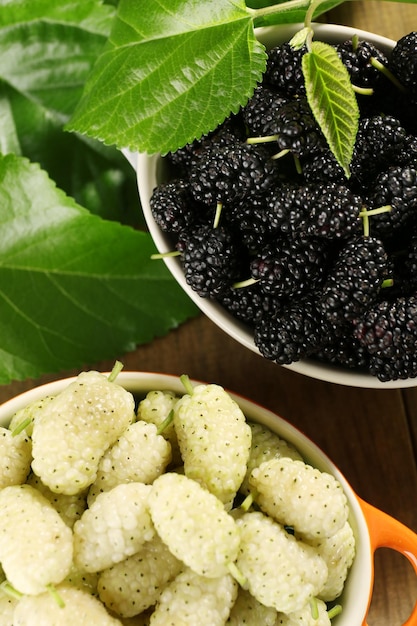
(267, 224)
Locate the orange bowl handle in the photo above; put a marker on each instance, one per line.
(387, 532)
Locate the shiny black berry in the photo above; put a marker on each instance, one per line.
(211, 259)
(403, 62)
(358, 58)
(284, 70)
(172, 206)
(230, 173)
(388, 331)
(353, 283)
(396, 188)
(290, 266)
(292, 333)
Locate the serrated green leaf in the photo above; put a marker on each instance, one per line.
(170, 73)
(332, 100)
(47, 51)
(74, 288)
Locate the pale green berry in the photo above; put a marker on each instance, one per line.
(191, 600)
(156, 409)
(313, 614)
(7, 607)
(36, 547)
(214, 440)
(72, 431)
(135, 584)
(299, 495)
(338, 551)
(139, 455)
(23, 419)
(70, 508)
(281, 572)
(266, 445)
(75, 607)
(15, 457)
(248, 611)
(113, 528)
(194, 524)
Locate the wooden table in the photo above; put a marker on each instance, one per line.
(370, 434)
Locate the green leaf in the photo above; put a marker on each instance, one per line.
(332, 100)
(86, 14)
(170, 73)
(47, 51)
(74, 288)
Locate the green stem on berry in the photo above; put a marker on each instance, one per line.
(165, 255)
(21, 427)
(219, 208)
(10, 591)
(335, 610)
(384, 70)
(165, 423)
(355, 42)
(314, 609)
(237, 575)
(297, 163)
(245, 283)
(381, 209)
(185, 379)
(54, 593)
(280, 154)
(264, 139)
(117, 368)
(248, 501)
(388, 282)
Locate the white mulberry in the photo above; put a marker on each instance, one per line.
(194, 524)
(73, 430)
(214, 440)
(113, 528)
(299, 495)
(78, 607)
(248, 611)
(266, 445)
(135, 584)
(281, 571)
(15, 457)
(156, 408)
(139, 455)
(36, 547)
(191, 599)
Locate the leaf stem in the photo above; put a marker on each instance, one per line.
(277, 8)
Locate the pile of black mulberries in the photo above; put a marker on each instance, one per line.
(267, 224)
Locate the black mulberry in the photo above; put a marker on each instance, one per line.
(353, 283)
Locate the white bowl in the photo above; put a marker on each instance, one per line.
(149, 175)
(372, 528)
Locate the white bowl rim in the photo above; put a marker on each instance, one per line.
(146, 167)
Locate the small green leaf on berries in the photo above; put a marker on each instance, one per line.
(332, 100)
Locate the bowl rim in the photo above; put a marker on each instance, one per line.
(148, 169)
(358, 590)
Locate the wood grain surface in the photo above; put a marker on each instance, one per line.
(370, 434)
